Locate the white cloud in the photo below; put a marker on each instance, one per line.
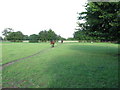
(32, 16)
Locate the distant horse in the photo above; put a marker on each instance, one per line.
(52, 42)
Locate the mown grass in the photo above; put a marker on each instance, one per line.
(13, 51)
(69, 65)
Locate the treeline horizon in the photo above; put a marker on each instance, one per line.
(43, 36)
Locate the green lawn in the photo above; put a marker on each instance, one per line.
(68, 65)
(13, 51)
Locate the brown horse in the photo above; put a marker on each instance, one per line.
(52, 43)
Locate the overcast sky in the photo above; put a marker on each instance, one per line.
(32, 16)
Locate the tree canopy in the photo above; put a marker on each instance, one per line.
(6, 32)
(102, 21)
(33, 38)
(48, 35)
(15, 36)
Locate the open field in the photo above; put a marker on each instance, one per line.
(15, 51)
(68, 65)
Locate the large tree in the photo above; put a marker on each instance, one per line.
(102, 20)
(6, 32)
(43, 36)
(51, 35)
(48, 35)
(15, 36)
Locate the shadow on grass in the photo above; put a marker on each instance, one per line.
(98, 50)
(73, 71)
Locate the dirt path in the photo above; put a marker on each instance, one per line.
(12, 62)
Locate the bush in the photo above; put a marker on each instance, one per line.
(33, 38)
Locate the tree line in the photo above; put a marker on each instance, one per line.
(42, 36)
(102, 22)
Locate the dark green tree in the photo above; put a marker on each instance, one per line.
(60, 38)
(102, 20)
(48, 35)
(70, 38)
(43, 36)
(51, 35)
(15, 36)
(25, 37)
(33, 38)
(6, 32)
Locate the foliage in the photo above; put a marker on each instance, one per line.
(25, 37)
(42, 36)
(51, 35)
(60, 38)
(80, 35)
(70, 38)
(48, 35)
(6, 32)
(15, 36)
(33, 38)
(102, 20)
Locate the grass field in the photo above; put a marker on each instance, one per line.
(15, 51)
(68, 65)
